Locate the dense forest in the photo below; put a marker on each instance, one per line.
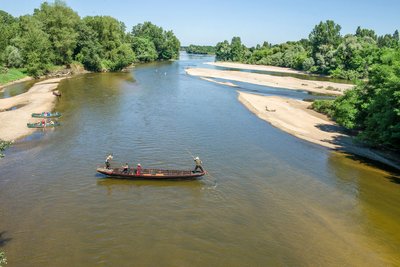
(372, 108)
(199, 49)
(55, 35)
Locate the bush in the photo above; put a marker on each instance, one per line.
(3, 259)
(324, 107)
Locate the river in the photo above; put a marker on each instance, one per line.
(270, 199)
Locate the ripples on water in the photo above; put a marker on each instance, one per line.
(271, 199)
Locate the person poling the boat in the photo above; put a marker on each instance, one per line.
(108, 159)
(198, 163)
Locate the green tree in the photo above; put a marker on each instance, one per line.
(366, 32)
(34, 45)
(223, 51)
(8, 31)
(144, 49)
(12, 57)
(165, 42)
(60, 23)
(3, 259)
(238, 50)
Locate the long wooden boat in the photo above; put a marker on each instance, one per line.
(46, 115)
(40, 125)
(154, 174)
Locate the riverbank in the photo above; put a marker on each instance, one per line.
(319, 87)
(16, 111)
(294, 117)
(234, 65)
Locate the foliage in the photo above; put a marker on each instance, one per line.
(200, 49)
(372, 107)
(144, 49)
(55, 35)
(165, 42)
(60, 23)
(12, 57)
(3, 146)
(3, 259)
(323, 106)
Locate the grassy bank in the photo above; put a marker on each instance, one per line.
(12, 75)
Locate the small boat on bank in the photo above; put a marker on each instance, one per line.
(46, 115)
(56, 93)
(153, 174)
(40, 125)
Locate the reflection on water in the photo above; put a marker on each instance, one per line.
(271, 199)
(16, 89)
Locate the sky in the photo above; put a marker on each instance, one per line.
(206, 22)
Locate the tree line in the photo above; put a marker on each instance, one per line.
(372, 108)
(56, 35)
(199, 49)
(325, 51)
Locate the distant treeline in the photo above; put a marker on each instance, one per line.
(199, 49)
(324, 52)
(372, 109)
(56, 35)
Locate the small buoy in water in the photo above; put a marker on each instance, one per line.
(165, 73)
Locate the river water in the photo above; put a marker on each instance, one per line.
(270, 199)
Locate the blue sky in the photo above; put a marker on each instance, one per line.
(207, 22)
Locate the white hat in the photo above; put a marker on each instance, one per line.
(138, 164)
(197, 158)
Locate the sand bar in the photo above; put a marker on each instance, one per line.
(38, 99)
(234, 65)
(294, 117)
(320, 87)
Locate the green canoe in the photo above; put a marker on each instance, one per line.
(40, 125)
(46, 115)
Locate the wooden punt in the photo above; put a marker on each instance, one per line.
(153, 174)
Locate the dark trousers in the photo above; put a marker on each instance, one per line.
(199, 167)
(107, 164)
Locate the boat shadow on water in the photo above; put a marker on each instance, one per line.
(116, 182)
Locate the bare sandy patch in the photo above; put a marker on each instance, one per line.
(38, 99)
(234, 65)
(320, 87)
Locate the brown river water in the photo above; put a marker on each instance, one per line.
(270, 199)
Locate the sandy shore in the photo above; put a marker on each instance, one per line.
(320, 87)
(234, 65)
(38, 99)
(294, 117)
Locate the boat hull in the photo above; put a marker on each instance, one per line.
(51, 115)
(39, 125)
(151, 174)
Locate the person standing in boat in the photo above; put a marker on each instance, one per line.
(125, 168)
(198, 163)
(108, 159)
(138, 169)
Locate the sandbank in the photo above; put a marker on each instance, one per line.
(218, 82)
(39, 98)
(234, 65)
(294, 117)
(320, 87)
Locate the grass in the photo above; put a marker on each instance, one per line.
(12, 75)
